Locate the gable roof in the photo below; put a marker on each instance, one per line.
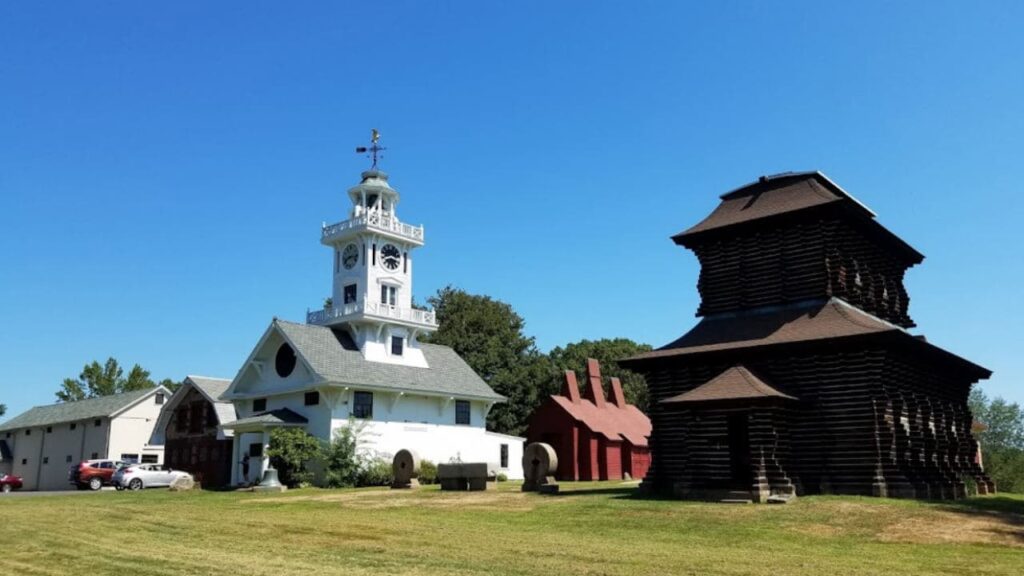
(278, 417)
(786, 193)
(334, 358)
(614, 419)
(212, 389)
(808, 321)
(735, 383)
(100, 407)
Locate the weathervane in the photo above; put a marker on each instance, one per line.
(374, 149)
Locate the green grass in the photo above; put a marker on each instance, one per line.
(589, 529)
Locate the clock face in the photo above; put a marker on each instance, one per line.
(390, 257)
(350, 256)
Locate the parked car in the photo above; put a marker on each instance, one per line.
(139, 476)
(10, 482)
(93, 474)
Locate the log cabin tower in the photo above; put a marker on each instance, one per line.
(801, 376)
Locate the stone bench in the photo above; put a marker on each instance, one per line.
(470, 476)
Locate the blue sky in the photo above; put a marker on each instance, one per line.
(165, 168)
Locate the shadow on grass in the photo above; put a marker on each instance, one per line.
(1006, 512)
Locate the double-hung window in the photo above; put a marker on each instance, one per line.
(389, 295)
(462, 412)
(362, 405)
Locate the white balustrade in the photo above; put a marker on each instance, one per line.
(326, 315)
(377, 221)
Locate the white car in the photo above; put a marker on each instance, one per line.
(139, 476)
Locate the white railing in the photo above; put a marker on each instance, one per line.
(377, 221)
(326, 315)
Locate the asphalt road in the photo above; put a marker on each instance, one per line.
(33, 493)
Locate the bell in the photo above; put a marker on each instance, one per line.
(270, 479)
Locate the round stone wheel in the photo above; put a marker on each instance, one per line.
(539, 462)
(405, 466)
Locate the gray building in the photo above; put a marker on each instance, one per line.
(41, 444)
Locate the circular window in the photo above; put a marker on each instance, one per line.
(284, 363)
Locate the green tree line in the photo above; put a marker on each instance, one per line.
(1002, 440)
(107, 379)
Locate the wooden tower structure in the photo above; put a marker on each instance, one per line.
(801, 376)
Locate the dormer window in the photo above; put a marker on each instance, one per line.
(259, 405)
(397, 343)
(159, 398)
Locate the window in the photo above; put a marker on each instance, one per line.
(195, 417)
(259, 405)
(350, 293)
(159, 397)
(94, 456)
(405, 262)
(73, 425)
(28, 432)
(284, 362)
(312, 398)
(130, 458)
(106, 465)
(388, 295)
(97, 422)
(49, 429)
(374, 254)
(46, 459)
(24, 461)
(362, 405)
(396, 345)
(462, 411)
(256, 450)
(504, 455)
(68, 458)
(8, 435)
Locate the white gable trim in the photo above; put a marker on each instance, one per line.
(150, 394)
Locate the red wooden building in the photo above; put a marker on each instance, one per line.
(595, 438)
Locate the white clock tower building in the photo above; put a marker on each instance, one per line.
(372, 270)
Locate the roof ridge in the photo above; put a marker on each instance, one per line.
(845, 310)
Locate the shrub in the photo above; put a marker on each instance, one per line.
(428, 472)
(341, 462)
(375, 473)
(502, 477)
(291, 451)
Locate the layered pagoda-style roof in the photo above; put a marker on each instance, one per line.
(788, 193)
(735, 383)
(786, 325)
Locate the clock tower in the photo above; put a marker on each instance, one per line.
(372, 271)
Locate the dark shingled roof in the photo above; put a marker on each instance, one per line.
(806, 321)
(801, 322)
(335, 358)
(736, 383)
(100, 407)
(786, 193)
(279, 417)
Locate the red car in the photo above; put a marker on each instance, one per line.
(93, 474)
(10, 482)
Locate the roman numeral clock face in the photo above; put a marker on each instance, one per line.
(390, 257)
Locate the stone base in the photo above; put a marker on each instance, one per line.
(414, 483)
(281, 488)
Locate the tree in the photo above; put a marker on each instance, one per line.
(96, 380)
(3, 409)
(488, 335)
(606, 351)
(1002, 442)
(291, 450)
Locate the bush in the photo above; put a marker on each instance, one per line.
(502, 477)
(341, 462)
(428, 472)
(375, 473)
(291, 451)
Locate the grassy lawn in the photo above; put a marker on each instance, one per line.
(590, 529)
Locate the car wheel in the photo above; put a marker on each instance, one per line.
(6, 488)
(135, 484)
(95, 483)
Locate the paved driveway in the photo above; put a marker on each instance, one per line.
(33, 493)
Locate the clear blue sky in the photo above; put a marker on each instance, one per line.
(165, 167)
